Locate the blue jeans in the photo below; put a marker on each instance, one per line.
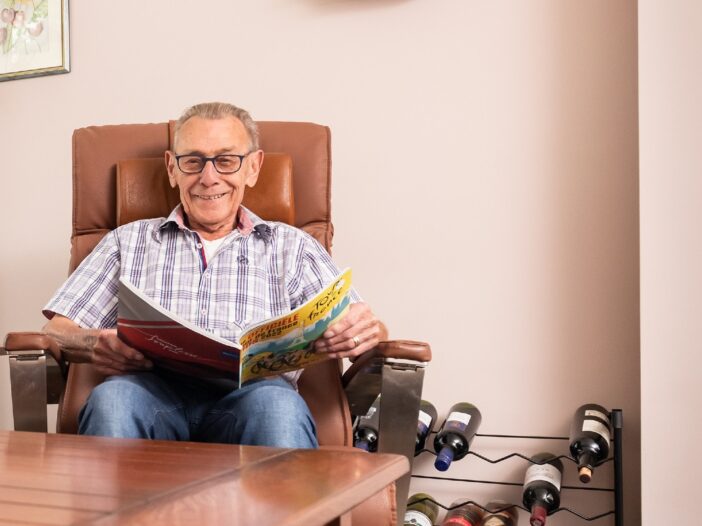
(172, 407)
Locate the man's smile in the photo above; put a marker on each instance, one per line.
(209, 197)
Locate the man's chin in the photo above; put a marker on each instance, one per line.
(211, 222)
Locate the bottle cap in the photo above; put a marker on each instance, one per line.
(585, 474)
(362, 444)
(538, 516)
(444, 458)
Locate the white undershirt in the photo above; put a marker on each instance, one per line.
(211, 247)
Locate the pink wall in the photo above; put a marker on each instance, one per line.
(485, 163)
(670, 80)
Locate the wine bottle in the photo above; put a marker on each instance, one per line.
(366, 435)
(500, 513)
(463, 515)
(421, 511)
(425, 423)
(542, 487)
(456, 434)
(589, 438)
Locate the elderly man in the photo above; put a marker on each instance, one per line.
(218, 265)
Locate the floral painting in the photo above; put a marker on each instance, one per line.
(33, 38)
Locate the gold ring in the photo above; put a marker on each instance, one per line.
(356, 341)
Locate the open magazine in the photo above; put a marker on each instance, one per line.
(271, 347)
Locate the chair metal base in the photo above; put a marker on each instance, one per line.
(399, 383)
(35, 381)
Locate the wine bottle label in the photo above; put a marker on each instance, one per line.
(545, 472)
(369, 414)
(596, 426)
(425, 418)
(458, 419)
(596, 414)
(494, 521)
(416, 517)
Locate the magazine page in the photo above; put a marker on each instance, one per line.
(170, 341)
(285, 343)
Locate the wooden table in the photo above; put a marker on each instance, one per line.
(68, 479)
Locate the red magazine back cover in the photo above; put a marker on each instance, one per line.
(170, 341)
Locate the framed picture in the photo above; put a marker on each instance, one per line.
(33, 38)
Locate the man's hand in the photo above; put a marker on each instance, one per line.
(111, 356)
(357, 332)
(101, 347)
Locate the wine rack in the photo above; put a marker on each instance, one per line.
(615, 459)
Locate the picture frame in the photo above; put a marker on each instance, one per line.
(34, 38)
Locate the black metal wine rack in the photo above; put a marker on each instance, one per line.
(615, 459)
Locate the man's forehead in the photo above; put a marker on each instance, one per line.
(223, 133)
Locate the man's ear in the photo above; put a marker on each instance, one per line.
(255, 160)
(170, 167)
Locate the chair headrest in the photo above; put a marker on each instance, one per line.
(143, 190)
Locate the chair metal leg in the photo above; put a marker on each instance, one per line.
(400, 397)
(28, 387)
(35, 381)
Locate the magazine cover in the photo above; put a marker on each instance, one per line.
(271, 347)
(285, 343)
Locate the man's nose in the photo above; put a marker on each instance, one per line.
(209, 174)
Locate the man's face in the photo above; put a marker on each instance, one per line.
(210, 199)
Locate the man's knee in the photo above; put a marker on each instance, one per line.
(274, 396)
(115, 396)
(269, 413)
(126, 406)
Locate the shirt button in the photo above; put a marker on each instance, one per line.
(199, 245)
(203, 311)
(242, 259)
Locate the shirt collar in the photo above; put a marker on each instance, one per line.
(247, 222)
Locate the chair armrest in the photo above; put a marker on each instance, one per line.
(395, 349)
(406, 350)
(33, 341)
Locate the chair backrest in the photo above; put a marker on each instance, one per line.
(97, 151)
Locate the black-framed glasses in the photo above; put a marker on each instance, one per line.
(225, 164)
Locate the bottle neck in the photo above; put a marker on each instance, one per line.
(538, 515)
(444, 458)
(586, 459)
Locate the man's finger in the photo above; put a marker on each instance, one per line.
(356, 312)
(127, 351)
(365, 346)
(348, 333)
(356, 345)
(339, 327)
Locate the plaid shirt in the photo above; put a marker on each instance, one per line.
(262, 269)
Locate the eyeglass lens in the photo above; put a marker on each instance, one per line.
(225, 164)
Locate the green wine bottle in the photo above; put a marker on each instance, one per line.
(366, 435)
(589, 438)
(500, 513)
(425, 424)
(542, 487)
(421, 510)
(456, 434)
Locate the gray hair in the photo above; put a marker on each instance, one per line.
(220, 110)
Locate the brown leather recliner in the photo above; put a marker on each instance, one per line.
(302, 170)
